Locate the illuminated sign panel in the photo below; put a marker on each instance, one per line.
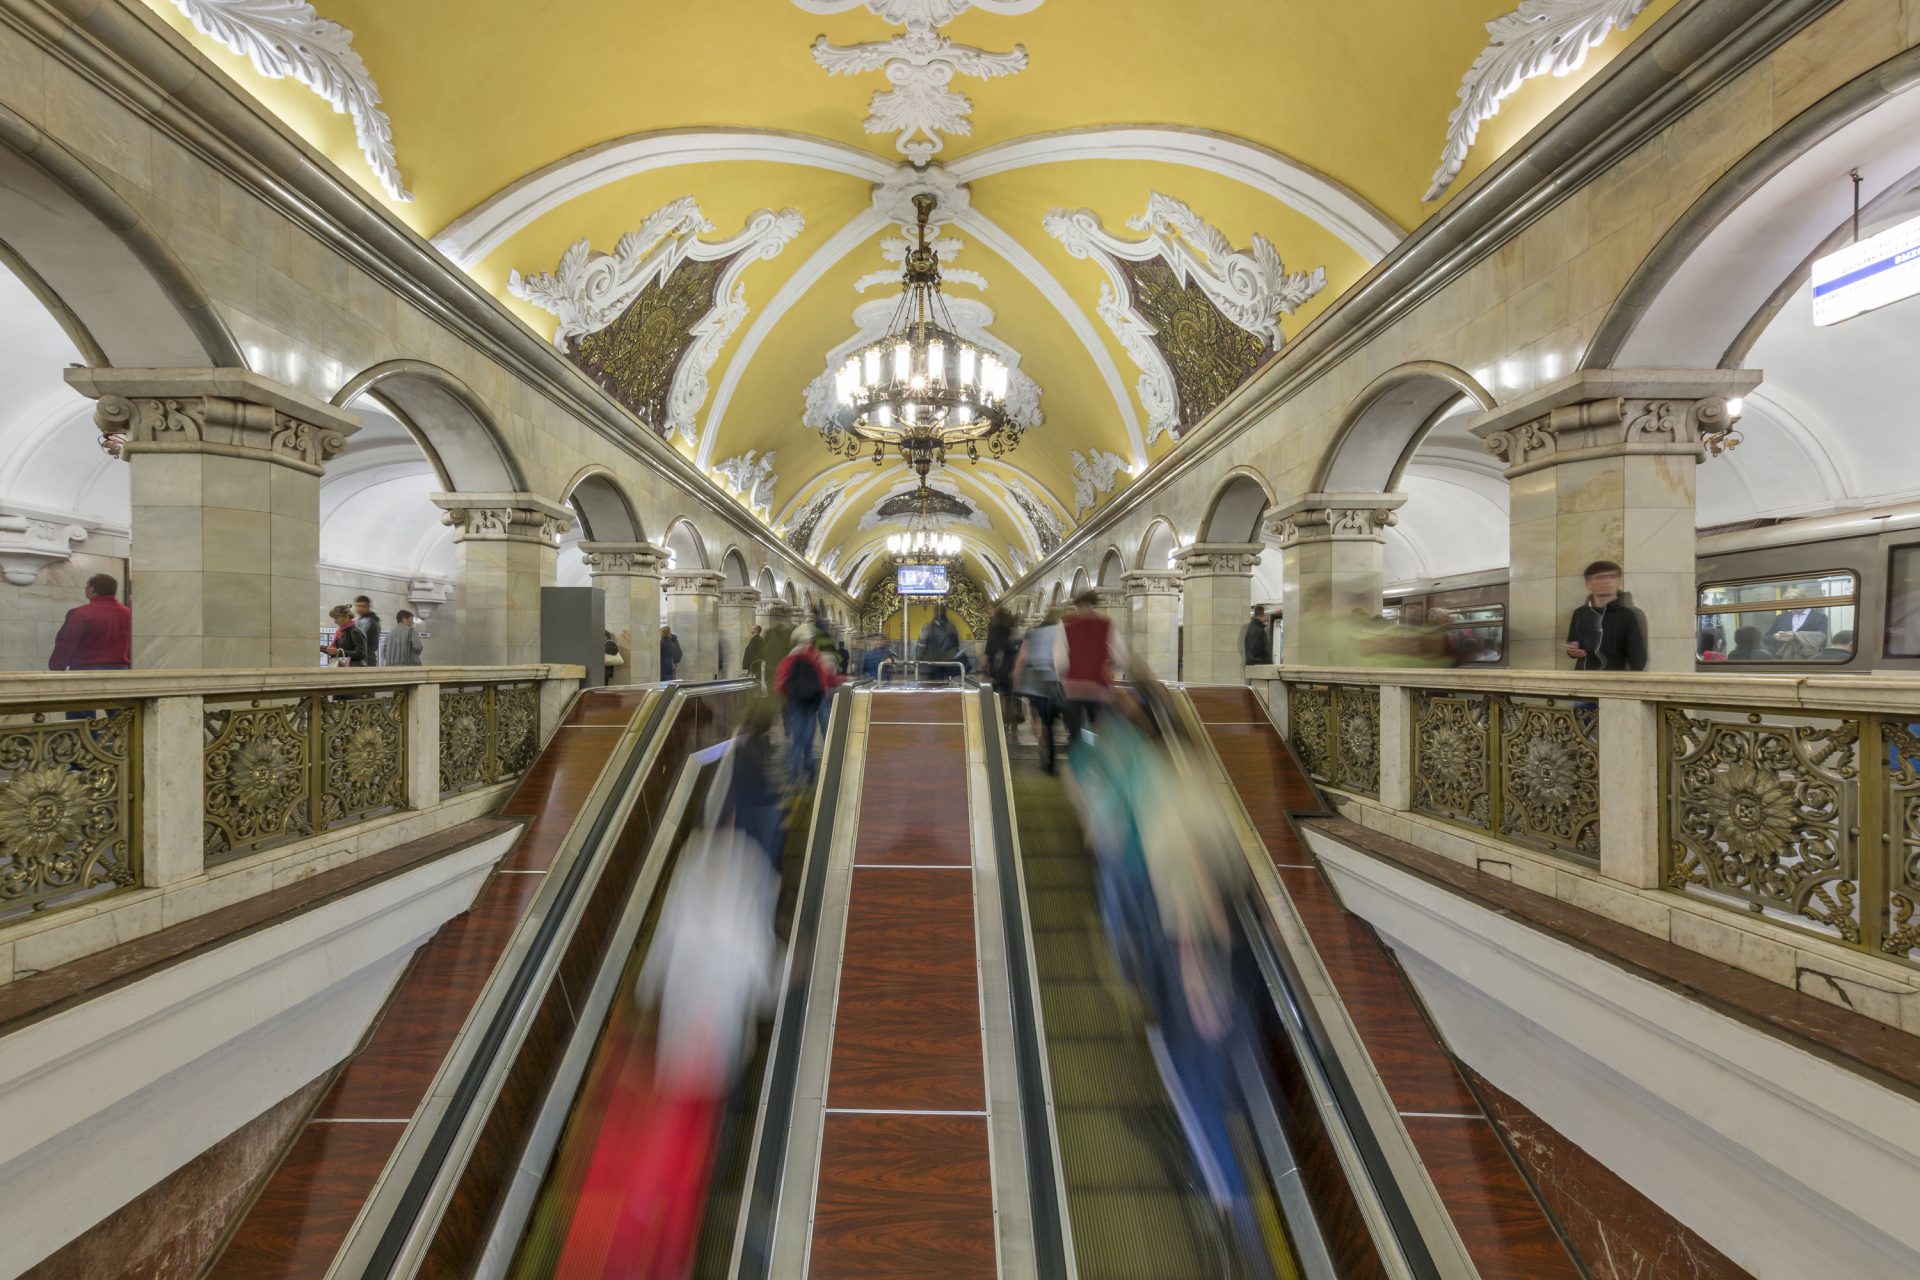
(920, 580)
(1872, 273)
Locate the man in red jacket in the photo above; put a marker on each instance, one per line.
(805, 682)
(98, 636)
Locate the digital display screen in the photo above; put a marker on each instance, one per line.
(920, 579)
(1870, 273)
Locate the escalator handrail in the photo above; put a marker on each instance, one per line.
(760, 1193)
(1317, 1051)
(1052, 1249)
(431, 1167)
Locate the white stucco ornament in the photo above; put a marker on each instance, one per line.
(920, 64)
(588, 289)
(1540, 37)
(28, 545)
(285, 38)
(752, 480)
(1251, 287)
(1094, 477)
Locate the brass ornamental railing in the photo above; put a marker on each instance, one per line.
(488, 733)
(1335, 729)
(1812, 821)
(1526, 769)
(69, 805)
(279, 769)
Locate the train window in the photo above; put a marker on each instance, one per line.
(1809, 618)
(1903, 603)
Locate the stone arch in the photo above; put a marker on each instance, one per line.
(1157, 543)
(123, 296)
(1700, 299)
(601, 506)
(1054, 597)
(769, 589)
(463, 444)
(1235, 510)
(689, 548)
(1112, 565)
(1386, 423)
(734, 566)
(1080, 583)
(789, 594)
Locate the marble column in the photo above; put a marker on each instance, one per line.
(737, 608)
(1331, 570)
(1112, 605)
(1153, 620)
(506, 545)
(1600, 466)
(628, 573)
(693, 611)
(1216, 586)
(226, 469)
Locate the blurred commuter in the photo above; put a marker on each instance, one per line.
(1085, 657)
(1746, 646)
(98, 635)
(669, 653)
(368, 623)
(1839, 651)
(1798, 632)
(400, 646)
(753, 657)
(1000, 650)
(939, 639)
(611, 657)
(804, 681)
(711, 973)
(1707, 645)
(1039, 682)
(873, 655)
(753, 799)
(1256, 644)
(1606, 633)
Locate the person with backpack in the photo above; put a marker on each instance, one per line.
(804, 681)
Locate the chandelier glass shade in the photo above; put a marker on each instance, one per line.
(923, 545)
(922, 390)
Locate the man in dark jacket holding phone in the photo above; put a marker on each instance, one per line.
(1606, 633)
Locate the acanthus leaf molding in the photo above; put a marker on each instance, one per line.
(1538, 38)
(753, 481)
(1094, 477)
(589, 290)
(285, 38)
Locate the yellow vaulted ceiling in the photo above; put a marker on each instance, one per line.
(1350, 98)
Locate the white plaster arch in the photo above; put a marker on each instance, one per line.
(1236, 507)
(1157, 544)
(602, 510)
(1112, 565)
(688, 544)
(734, 566)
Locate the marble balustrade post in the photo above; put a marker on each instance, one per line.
(225, 535)
(1331, 571)
(1216, 587)
(507, 546)
(629, 575)
(693, 611)
(1153, 620)
(1601, 466)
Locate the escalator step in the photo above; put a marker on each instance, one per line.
(1115, 1148)
(1064, 871)
(1122, 1236)
(1089, 1010)
(1060, 908)
(1067, 955)
(1090, 1073)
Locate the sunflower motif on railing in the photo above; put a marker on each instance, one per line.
(362, 737)
(66, 816)
(42, 811)
(463, 739)
(1451, 756)
(257, 781)
(1549, 793)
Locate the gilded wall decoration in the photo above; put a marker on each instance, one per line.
(1251, 290)
(258, 779)
(1549, 794)
(799, 534)
(1208, 356)
(1310, 728)
(1760, 813)
(68, 830)
(635, 357)
(517, 728)
(488, 733)
(1453, 757)
(965, 601)
(648, 288)
(1335, 730)
(1046, 528)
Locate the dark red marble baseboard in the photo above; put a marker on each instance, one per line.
(169, 1231)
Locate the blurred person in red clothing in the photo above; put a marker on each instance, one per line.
(97, 636)
(804, 680)
(1085, 656)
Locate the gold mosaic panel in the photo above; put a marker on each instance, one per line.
(1208, 354)
(636, 355)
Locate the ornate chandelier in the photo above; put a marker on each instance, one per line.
(921, 390)
(923, 543)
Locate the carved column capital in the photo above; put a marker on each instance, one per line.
(623, 559)
(232, 412)
(1335, 517)
(1109, 598)
(1151, 582)
(503, 517)
(1221, 559)
(29, 544)
(1608, 413)
(740, 597)
(772, 611)
(426, 595)
(693, 582)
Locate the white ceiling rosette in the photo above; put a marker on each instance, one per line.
(588, 289)
(1252, 288)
